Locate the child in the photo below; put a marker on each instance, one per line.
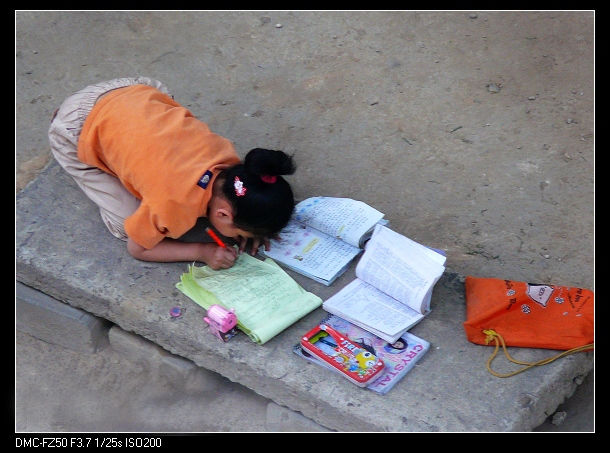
(154, 169)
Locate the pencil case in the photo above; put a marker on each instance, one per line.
(347, 357)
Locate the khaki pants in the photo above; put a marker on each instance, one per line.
(115, 202)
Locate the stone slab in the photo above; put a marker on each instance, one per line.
(63, 250)
(50, 320)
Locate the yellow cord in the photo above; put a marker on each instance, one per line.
(493, 335)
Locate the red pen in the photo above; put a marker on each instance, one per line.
(215, 237)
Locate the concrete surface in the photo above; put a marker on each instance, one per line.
(126, 383)
(446, 392)
(57, 323)
(472, 131)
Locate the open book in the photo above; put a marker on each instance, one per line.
(399, 357)
(393, 288)
(324, 235)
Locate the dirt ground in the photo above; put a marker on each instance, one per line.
(473, 131)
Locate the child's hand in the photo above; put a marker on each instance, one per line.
(256, 243)
(218, 257)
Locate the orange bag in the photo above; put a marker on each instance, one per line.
(528, 315)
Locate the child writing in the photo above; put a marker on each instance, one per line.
(153, 169)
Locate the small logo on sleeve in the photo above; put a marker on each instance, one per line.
(205, 180)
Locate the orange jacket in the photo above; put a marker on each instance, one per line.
(162, 154)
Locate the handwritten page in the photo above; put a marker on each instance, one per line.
(265, 298)
(343, 218)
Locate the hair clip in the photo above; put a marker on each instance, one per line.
(269, 178)
(240, 190)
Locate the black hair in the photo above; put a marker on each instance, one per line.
(268, 201)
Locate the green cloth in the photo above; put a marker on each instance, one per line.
(265, 298)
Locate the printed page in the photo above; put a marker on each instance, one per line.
(401, 268)
(367, 307)
(265, 298)
(311, 252)
(341, 218)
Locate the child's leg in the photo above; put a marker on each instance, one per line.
(116, 203)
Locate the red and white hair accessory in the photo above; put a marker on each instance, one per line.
(269, 178)
(240, 190)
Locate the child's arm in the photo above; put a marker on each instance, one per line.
(170, 250)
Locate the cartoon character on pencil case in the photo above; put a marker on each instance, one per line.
(364, 360)
(353, 358)
(359, 362)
